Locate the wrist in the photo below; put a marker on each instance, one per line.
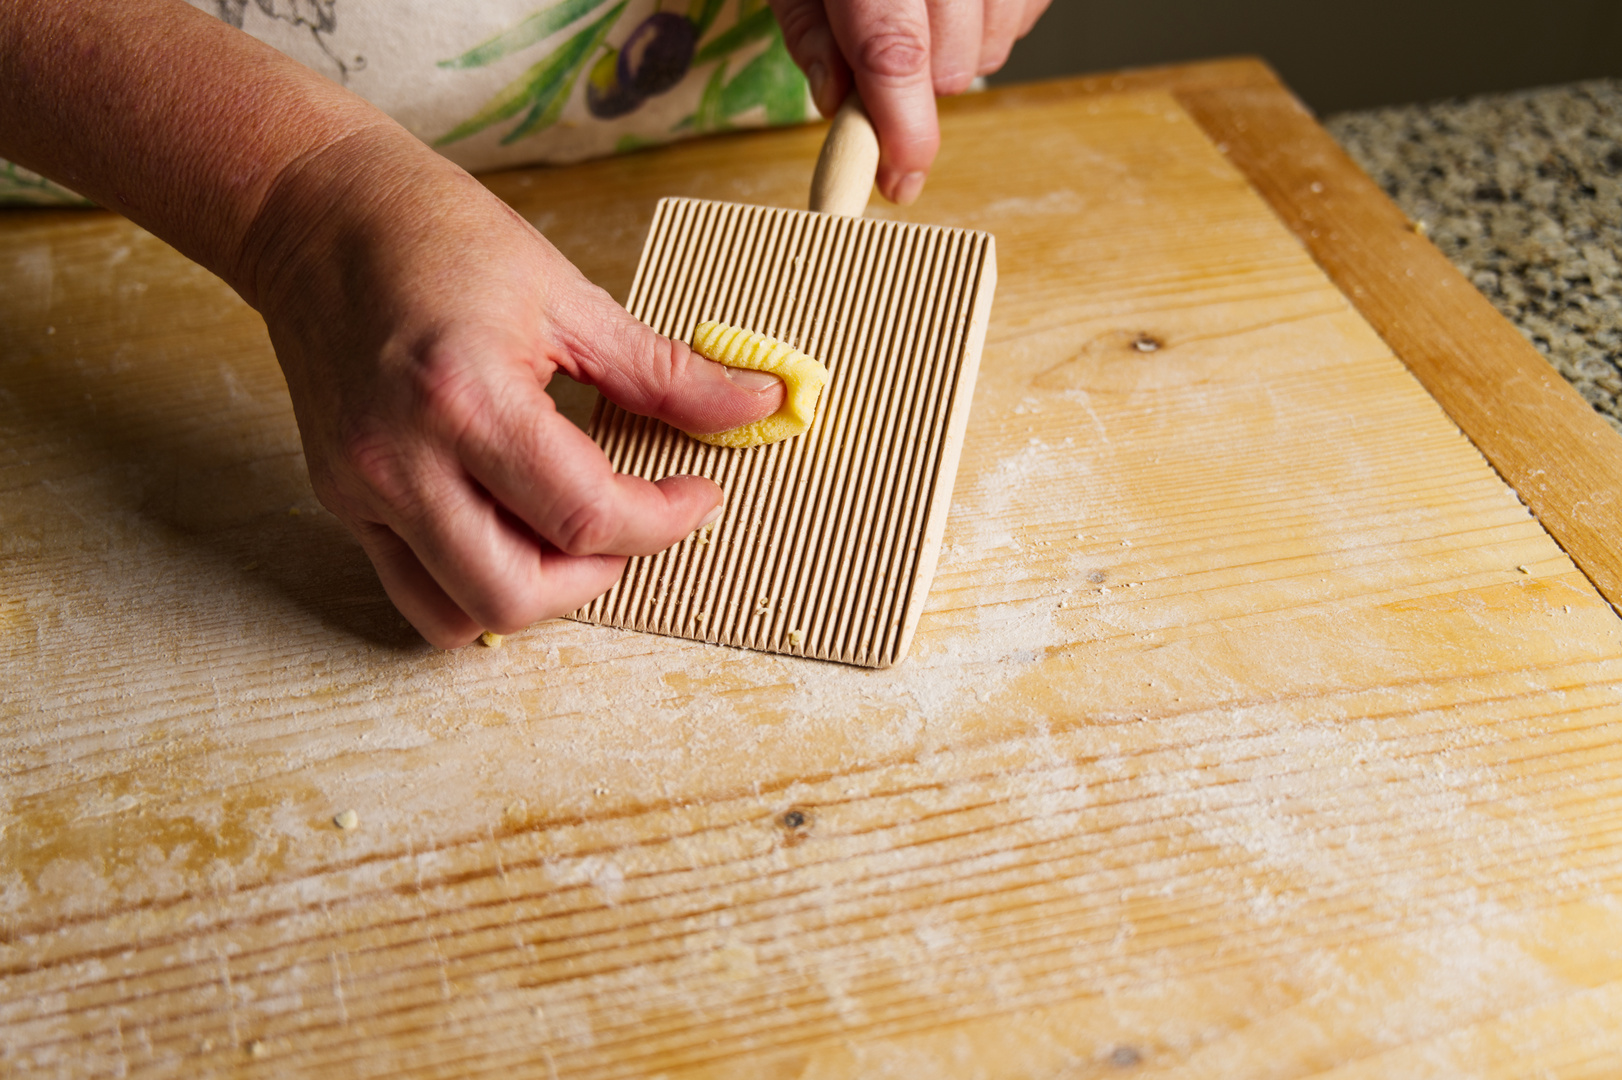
(325, 209)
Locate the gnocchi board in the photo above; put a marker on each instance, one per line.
(827, 542)
(1254, 727)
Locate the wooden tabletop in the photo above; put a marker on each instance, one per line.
(1256, 726)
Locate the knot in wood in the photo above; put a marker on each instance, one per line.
(1124, 1057)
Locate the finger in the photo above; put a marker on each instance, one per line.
(1033, 11)
(1003, 22)
(489, 564)
(652, 375)
(555, 479)
(954, 44)
(810, 41)
(413, 590)
(887, 44)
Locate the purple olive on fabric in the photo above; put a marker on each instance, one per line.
(658, 53)
(606, 95)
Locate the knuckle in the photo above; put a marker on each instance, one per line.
(371, 460)
(377, 476)
(382, 454)
(896, 50)
(451, 398)
(589, 528)
(673, 361)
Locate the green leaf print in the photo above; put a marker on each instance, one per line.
(540, 25)
(630, 143)
(661, 51)
(544, 88)
(752, 28)
(706, 15)
(708, 116)
(19, 186)
(772, 80)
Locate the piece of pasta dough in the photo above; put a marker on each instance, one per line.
(803, 380)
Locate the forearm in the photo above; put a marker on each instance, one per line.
(180, 122)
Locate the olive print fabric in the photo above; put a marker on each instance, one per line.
(515, 82)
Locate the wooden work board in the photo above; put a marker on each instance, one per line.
(1255, 726)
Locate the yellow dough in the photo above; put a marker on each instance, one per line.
(803, 380)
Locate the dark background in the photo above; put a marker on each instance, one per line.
(1348, 55)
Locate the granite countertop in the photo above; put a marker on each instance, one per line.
(1523, 192)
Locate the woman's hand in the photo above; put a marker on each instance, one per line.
(901, 54)
(418, 320)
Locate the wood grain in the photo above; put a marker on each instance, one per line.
(1253, 728)
(1530, 423)
(829, 541)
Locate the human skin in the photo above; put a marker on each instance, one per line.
(416, 317)
(900, 55)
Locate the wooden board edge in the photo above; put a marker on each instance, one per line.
(1534, 428)
(1222, 73)
(957, 427)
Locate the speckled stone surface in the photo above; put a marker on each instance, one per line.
(1523, 192)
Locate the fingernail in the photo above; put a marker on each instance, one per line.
(753, 381)
(817, 76)
(713, 516)
(906, 192)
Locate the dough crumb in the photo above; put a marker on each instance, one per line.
(1524, 569)
(257, 1049)
(796, 638)
(490, 640)
(700, 617)
(346, 819)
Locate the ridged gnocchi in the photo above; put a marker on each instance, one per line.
(803, 380)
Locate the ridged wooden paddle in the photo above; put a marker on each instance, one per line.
(828, 541)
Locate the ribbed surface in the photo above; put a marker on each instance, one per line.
(828, 540)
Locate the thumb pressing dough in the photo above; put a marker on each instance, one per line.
(803, 380)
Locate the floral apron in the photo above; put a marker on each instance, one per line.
(518, 82)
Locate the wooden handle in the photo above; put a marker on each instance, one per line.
(848, 163)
